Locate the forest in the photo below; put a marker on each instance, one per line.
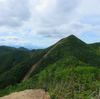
(70, 71)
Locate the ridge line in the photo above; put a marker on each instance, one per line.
(34, 66)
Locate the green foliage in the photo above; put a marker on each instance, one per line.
(23, 49)
(5, 50)
(11, 67)
(16, 64)
(10, 60)
(70, 71)
(70, 47)
(64, 83)
(95, 45)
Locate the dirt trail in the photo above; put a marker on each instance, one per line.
(33, 67)
(28, 94)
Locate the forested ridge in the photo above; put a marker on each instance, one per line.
(70, 71)
(96, 45)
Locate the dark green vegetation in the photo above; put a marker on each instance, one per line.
(23, 49)
(5, 49)
(96, 45)
(15, 65)
(70, 71)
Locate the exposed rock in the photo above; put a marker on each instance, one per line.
(28, 94)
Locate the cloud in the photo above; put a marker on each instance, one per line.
(18, 42)
(55, 12)
(13, 13)
(53, 18)
(60, 18)
(89, 7)
(64, 30)
(9, 38)
(46, 19)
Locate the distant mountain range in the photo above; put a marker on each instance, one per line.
(69, 69)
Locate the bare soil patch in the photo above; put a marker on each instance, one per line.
(28, 94)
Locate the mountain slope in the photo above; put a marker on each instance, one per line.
(70, 46)
(11, 59)
(95, 45)
(62, 77)
(6, 49)
(9, 65)
(33, 67)
(19, 63)
(69, 69)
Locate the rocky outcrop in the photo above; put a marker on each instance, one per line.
(28, 94)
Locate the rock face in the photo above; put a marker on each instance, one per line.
(28, 94)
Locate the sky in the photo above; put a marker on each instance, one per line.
(41, 23)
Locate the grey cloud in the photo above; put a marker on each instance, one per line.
(51, 33)
(65, 30)
(9, 38)
(57, 20)
(61, 12)
(65, 6)
(16, 39)
(63, 18)
(77, 26)
(13, 12)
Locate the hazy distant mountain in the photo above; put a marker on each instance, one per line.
(23, 48)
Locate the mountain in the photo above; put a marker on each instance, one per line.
(71, 47)
(95, 45)
(68, 69)
(16, 64)
(11, 59)
(6, 49)
(23, 49)
(9, 65)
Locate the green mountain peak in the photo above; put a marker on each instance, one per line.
(69, 66)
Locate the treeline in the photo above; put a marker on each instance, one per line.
(70, 71)
(71, 46)
(16, 64)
